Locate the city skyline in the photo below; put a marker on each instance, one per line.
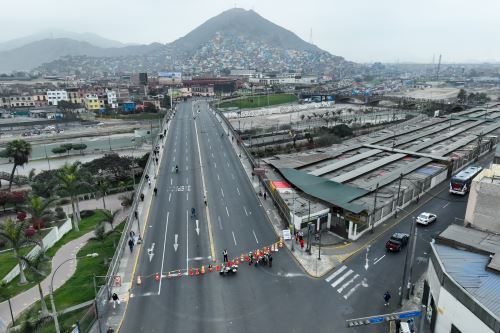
(360, 32)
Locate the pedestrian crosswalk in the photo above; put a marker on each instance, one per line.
(346, 281)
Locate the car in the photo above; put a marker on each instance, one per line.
(426, 218)
(397, 241)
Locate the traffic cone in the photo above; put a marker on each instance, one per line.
(197, 271)
(157, 277)
(139, 282)
(236, 262)
(217, 268)
(202, 269)
(179, 272)
(191, 272)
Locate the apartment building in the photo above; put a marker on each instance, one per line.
(91, 102)
(54, 96)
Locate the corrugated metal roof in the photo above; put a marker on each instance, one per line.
(468, 269)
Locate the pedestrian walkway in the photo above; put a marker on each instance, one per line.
(331, 256)
(68, 251)
(346, 281)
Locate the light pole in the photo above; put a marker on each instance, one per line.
(54, 312)
(403, 282)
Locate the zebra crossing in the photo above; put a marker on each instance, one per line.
(346, 281)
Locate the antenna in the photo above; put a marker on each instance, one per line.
(311, 36)
(438, 68)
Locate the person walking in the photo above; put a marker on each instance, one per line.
(387, 297)
(142, 196)
(155, 190)
(115, 299)
(224, 254)
(270, 260)
(265, 195)
(131, 244)
(301, 241)
(149, 183)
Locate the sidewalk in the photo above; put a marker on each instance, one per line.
(331, 255)
(22, 301)
(112, 318)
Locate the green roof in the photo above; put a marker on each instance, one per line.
(327, 190)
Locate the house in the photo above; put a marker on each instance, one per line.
(91, 102)
(54, 96)
(128, 106)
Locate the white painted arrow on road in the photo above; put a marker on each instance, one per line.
(197, 228)
(366, 258)
(175, 243)
(150, 252)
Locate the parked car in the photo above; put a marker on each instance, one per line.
(426, 218)
(397, 241)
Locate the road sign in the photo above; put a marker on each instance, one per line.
(376, 320)
(286, 234)
(410, 314)
(382, 318)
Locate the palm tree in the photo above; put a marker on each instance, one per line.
(70, 181)
(39, 267)
(39, 210)
(101, 189)
(19, 151)
(14, 232)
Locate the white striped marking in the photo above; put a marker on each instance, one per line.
(169, 197)
(352, 290)
(234, 238)
(376, 261)
(342, 278)
(245, 209)
(218, 178)
(255, 236)
(238, 190)
(227, 212)
(331, 277)
(347, 283)
(171, 180)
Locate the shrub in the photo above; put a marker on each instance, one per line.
(3, 243)
(59, 150)
(30, 231)
(60, 214)
(86, 213)
(21, 216)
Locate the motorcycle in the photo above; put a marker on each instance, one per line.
(226, 270)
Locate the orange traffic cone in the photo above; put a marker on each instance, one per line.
(139, 282)
(202, 269)
(157, 277)
(197, 271)
(191, 272)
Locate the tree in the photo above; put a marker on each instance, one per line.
(70, 180)
(59, 150)
(39, 267)
(39, 210)
(15, 233)
(19, 151)
(462, 96)
(67, 146)
(101, 189)
(79, 146)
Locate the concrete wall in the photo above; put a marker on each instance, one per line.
(482, 207)
(49, 240)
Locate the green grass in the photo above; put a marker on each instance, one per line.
(8, 261)
(141, 116)
(13, 288)
(80, 287)
(259, 101)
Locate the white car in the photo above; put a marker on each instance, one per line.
(426, 218)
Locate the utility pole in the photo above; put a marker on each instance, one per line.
(374, 209)
(292, 218)
(414, 242)
(403, 282)
(397, 200)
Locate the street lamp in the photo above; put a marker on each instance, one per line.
(54, 312)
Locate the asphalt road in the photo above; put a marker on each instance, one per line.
(257, 299)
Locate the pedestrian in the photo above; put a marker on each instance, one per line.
(146, 176)
(270, 260)
(387, 297)
(155, 190)
(164, 132)
(157, 160)
(149, 183)
(110, 330)
(301, 241)
(142, 196)
(265, 195)
(115, 299)
(296, 237)
(224, 254)
(136, 214)
(132, 234)
(131, 244)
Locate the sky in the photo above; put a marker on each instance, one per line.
(360, 30)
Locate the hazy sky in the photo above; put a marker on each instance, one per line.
(359, 30)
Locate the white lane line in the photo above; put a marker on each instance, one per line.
(215, 165)
(187, 196)
(376, 261)
(187, 180)
(163, 255)
(245, 209)
(222, 191)
(446, 205)
(227, 212)
(169, 197)
(224, 154)
(331, 277)
(234, 238)
(238, 190)
(220, 223)
(232, 175)
(187, 241)
(187, 168)
(342, 278)
(345, 285)
(210, 147)
(171, 180)
(218, 178)
(227, 163)
(173, 159)
(255, 236)
(212, 155)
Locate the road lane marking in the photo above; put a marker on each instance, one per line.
(342, 278)
(218, 177)
(200, 258)
(446, 205)
(220, 224)
(215, 165)
(238, 190)
(171, 180)
(222, 191)
(347, 283)
(245, 209)
(173, 159)
(163, 255)
(331, 277)
(187, 241)
(255, 236)
(187, 196)
(187, 168)
(187, 180)
(227, 212)
(212, 155)
(376, 261)
(197, 228)
(232, 175)
(169, 196)
(234, 238)
(228, 164)
(352, 290)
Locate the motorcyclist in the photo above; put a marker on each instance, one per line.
(176, 169)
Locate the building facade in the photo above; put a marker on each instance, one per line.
(91, 102)
(54, 96)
